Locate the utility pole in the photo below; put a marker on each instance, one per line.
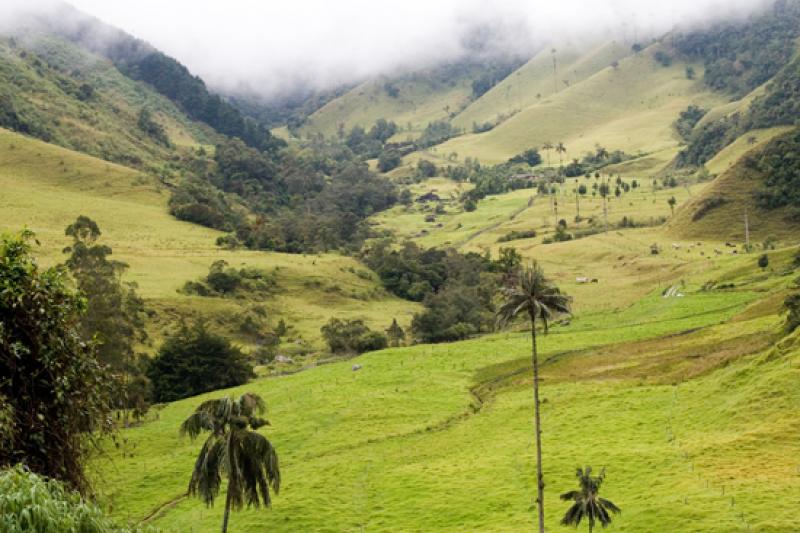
(746, 232)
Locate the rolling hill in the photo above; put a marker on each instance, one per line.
(675, 370)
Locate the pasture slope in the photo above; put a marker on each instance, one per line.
(45, 188)
(689, 402)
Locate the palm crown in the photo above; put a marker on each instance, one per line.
(534, 294)
(587, 501)
(233, 447)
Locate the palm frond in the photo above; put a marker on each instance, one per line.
(197, 422)
(206, 479)
(250, 404)
(532, 293)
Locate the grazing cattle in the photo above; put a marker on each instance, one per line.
(356, 367)
(582, 280)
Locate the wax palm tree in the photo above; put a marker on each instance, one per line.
(233, 447)
(531, 293)
(587, 502)
(547, 147)
(561, 150)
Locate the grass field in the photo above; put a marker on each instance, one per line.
(45, 188)
(630, 107)
(684, 400)
(422, 97)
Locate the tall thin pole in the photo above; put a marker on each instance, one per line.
(746, 232)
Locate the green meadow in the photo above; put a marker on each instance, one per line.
(686, 401)
(46, 187)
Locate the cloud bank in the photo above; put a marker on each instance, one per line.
(265, 46)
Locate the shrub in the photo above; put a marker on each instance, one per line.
(792, 305)
(352, 336)
(31, 503)
(193, 361)
(517, 235)
(389, 160)
(224, 281)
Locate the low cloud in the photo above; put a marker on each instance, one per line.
(269, 46)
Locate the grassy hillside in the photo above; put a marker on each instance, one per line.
(719, 208)
(422, 97)
(537, 80)
(630, 107)
(681, 399)
(44, 80)
(47, 187)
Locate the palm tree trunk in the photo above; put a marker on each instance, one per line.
(227, 512)
(539, 477)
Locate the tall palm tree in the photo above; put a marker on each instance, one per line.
(587, 501)
(531, 293)
(547, 147)
(561, 150)
(233, 447)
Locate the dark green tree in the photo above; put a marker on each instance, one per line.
(672, 201)
(195, 360)
(763, 261)
(533, 294)
(235, 448)
(395, 334)
(47, 422)
(792, 307)
(587, 503)
(115, 313)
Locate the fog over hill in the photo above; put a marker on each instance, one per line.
(267, 48)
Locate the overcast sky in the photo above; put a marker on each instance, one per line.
(265, 44)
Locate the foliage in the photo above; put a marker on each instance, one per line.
(740, 55)
(53, 416)
(780, 105)
(235, 448)
(193, 361)
(115, 312)
(32, 503)
(792, 307)
(779, 164)
(763, 261)
(352, 336)
(425, 169)
(530, 157)
(688, 119)
(395, 334)
(587, 503)
(152, 128)
(517, 235)
(437, 132)
(492, 74)
(197, 201)
(223, 280)
(388, 160)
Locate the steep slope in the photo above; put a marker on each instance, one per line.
(61, 93)
(537, 79)
(718, 212)
(411, 100)
(46, 187)
(629, 107)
